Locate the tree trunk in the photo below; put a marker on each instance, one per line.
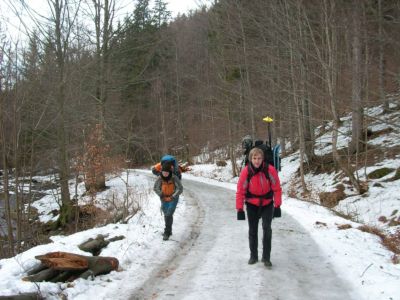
(382, 62)
(61, 44)
(296, 101)
(329, 65)
(24, 296)
(159, 93)
(6, 193)
(356, 144)
(250, 98)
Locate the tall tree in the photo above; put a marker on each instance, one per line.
(63, 16)
(161, 14)
(5, 90)
(357, 143)
(103, 18)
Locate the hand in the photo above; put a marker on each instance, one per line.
(277, 212)
(240, 215)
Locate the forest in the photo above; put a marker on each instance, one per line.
(87, 94)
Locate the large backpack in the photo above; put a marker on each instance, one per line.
(271, 156)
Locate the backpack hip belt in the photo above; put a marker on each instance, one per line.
(268, 195)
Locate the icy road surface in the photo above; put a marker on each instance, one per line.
(212, 263)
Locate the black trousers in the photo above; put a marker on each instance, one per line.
(168, 224)
(254, 213)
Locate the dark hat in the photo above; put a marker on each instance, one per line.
(166, 167)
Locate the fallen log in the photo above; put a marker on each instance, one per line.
(64, 266)
(37, 269)
(99, 265)
(95, 245)
(64, 261)
(44, 275)
(25, 296)
(67, 276)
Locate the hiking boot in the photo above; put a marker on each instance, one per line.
(267, 264)
(165, 236)
(252, 260)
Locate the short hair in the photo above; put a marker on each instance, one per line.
(255, 151)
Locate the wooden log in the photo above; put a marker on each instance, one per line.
(67, 276)
(37, 269)
(24, 296)
(64, 261)
(94, 246)
(44, 275)
(116, 238)
(64, 266)
(99, 265)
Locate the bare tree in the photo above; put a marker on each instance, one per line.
(329, 63)
(357, 143)
(63, 16)
(5, 88)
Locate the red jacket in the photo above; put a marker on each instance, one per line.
(258, 185)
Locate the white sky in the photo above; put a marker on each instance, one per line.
(306, 241)
(9, 21)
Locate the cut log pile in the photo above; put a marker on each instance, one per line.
(66, 267)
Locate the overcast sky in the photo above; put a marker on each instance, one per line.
(9, 21)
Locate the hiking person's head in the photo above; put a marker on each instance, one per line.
(247, 143)
(166, 170)
(256, 157)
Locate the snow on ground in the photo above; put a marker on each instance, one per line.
(142, 245)
(358, 257)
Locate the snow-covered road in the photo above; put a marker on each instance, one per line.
(212, 264)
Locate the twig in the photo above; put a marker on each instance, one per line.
(366, 270)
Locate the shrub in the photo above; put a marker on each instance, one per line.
(221, 163)
(391, 241)
(331, 199)
(395, 177)
(379, 173)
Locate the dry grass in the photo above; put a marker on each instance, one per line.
(344, 226)
(391, 241)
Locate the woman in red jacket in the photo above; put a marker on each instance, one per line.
(260, 189)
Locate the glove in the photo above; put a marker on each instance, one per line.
(240, 215)
(155, 172)
(277, 212)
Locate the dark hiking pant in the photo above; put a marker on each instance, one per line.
(168, 224)
(168, 209)
(254, 213)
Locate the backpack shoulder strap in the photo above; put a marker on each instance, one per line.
(267, 177)
(266, 172)
(250, 172)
